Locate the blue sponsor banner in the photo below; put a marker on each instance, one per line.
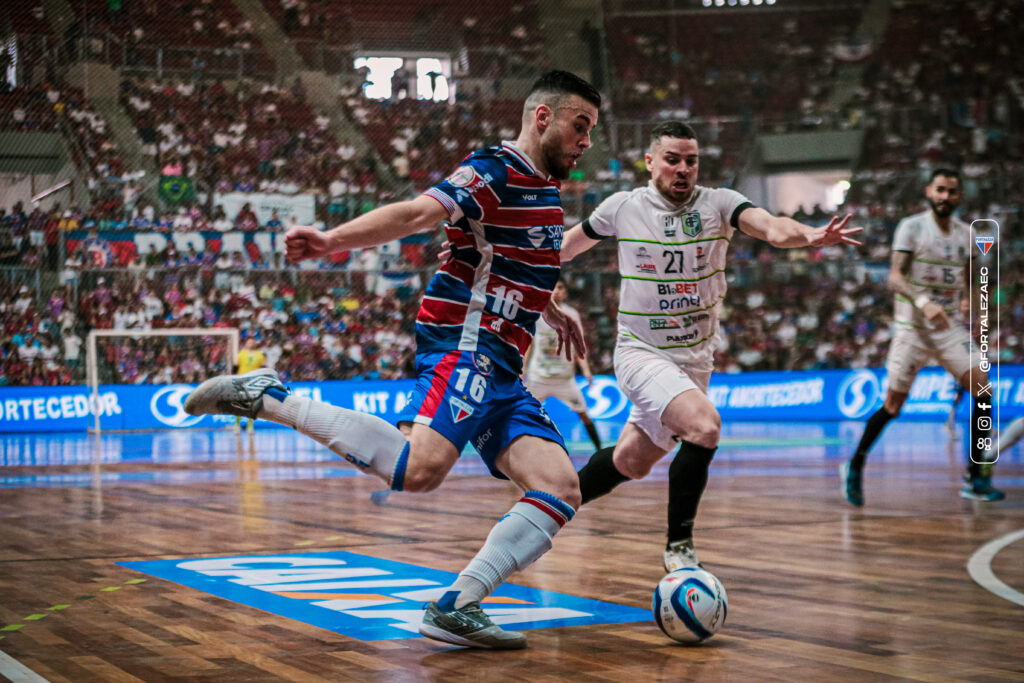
(368, 598)
(776, 396)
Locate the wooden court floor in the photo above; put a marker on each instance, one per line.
(817, 590)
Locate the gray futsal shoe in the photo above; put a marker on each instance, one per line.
(240, 395)
(680, 555)
(469, 626)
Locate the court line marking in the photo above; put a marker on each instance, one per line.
(980, 569)
(18, 672)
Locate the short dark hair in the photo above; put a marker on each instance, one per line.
(563, 83)
(947, 171)
(673, 129)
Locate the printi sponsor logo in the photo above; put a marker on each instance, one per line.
(679, 302)
(60, 407)
(805, 392)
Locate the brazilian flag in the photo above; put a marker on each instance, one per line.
(177, 188)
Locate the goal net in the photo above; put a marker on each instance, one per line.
(177, 358)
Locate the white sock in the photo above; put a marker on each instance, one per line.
(1011, 435)
(515, 542)
(366, 441)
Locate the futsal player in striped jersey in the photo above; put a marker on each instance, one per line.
(477, 319)
(673, 237)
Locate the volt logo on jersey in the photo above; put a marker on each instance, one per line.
(368, 598)
(460, 409)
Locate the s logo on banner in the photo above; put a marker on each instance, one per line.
(168, 406)
(858, 393)
(605, 399)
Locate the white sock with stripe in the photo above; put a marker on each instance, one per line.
(366, 441)
(515, 542)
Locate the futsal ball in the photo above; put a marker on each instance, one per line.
(690, 605)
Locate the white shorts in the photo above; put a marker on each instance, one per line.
(565, 390)
(650, 381)
(913, 349)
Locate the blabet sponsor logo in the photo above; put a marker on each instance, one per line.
(663, 324)
(858, 393)
(677, 288)
(460, 409)
(168, 406)
(368, 598)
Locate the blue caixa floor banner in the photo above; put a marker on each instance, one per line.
(369, 598)
(775, 396)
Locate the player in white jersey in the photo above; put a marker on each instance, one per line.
(673, 237)
(549, 373)
(929, 272)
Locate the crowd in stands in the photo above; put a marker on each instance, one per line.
(314, 325)
(252, 137)
(422, 140)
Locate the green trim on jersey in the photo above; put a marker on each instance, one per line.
(939, 263)
(673, 244)
(678, 279)
(671, 346)
(669, 315)
(934, 286)
(910, 325)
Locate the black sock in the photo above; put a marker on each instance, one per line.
(592, 433)
(687, 477)
(599, 475)
(979, 455)
(876, 423)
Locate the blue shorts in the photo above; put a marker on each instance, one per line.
(465, 396)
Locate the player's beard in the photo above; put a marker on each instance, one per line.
(671, 194)
(554, 161)
(941, 209)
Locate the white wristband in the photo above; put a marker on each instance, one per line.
(920, 301)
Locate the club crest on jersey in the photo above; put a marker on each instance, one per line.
(984, 243)
(691, 224)
(460, 409)
(670, 225)
(645, 262)
(484, 364)
(462, 176)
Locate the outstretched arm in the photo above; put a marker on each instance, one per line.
(575, 242)
(382, 225)
(790, 234)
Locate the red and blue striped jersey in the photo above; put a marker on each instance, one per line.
(505, 227)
